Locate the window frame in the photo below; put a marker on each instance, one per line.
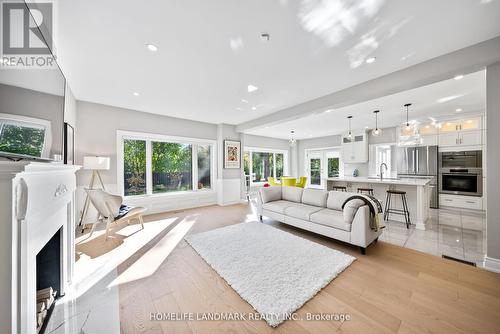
(122, 135)
(266, 150)
(32, 122)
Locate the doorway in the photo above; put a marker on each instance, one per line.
(322, 164)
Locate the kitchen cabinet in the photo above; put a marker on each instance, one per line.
(462, 132)
(450, 126)
(461, 138)
(354, 148)
(429, 140)
(463, 202)
(466, 124)
(427, 129)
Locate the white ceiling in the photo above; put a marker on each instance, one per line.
(468, 94)
(209, 51)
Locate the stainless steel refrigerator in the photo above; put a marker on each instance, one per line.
(420, 161)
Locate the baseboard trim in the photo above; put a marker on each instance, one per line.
(492, 264)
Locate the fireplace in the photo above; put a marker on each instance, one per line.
(48, 279)
(36, 239)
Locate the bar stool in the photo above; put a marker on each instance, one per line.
(388, 209)
(369, 191)
(339, 188)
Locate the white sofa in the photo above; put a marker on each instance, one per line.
(318, 211)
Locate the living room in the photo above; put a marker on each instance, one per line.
(194, 167)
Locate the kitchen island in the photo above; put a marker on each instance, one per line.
(417, 194)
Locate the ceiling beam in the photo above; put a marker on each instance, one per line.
(463, 61)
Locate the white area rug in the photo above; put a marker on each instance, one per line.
(274, 271)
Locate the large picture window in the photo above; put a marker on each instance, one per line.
(134, 167)
(261, 164)
(154, 164)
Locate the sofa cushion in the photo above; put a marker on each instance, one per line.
(301, 211)
(331, 218)
(315, 197)
(270, 194)
(336, 199)
(292, 194)
(277, 206)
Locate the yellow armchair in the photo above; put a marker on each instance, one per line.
(302, 182)
(272, 182)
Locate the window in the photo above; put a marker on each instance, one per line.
(172, 167)
(155, 164)
(134, 167)
(261, 164)
(333, 167)
(382, 153)
(204, 170)
(25, 135)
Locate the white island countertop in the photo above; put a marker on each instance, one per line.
(420, 181)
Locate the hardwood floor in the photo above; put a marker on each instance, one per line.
(389, 290)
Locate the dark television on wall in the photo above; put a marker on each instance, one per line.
(31, 113)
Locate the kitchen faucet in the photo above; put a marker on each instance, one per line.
(381, 171)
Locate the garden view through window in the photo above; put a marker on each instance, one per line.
(21, 139)
(173, 167)
(263, 165)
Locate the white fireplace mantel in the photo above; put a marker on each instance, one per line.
(36, 200)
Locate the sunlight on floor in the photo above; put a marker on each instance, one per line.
(96, 257)
(148, 263)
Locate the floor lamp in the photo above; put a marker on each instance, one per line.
(95, 164)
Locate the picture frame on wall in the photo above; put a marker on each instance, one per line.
(69, 144)
(232, 154)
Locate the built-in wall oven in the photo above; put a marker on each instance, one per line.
(461, 173)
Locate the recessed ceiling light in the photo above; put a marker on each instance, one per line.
(136, 94)
(458, 77)
(252, 88)
(254, 108)
(371, 60)
(244, 101)
(152, 47)
(458, 109)
(328, 111)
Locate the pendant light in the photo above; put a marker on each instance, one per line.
(407, 122)
(350, 133)
(292, 141)
(376, 132)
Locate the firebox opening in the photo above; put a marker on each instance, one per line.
(48, 264)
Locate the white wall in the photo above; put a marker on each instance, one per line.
(388, 136)
(492, 260)
(97, 126)
(96, 133)
(69, 107)
(229, 181)
(30, 103)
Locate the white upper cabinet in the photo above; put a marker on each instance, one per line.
(355, 148)
(462, 132)
(450, 126)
